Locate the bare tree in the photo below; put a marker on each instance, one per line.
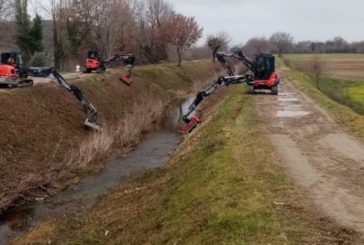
(217, 42)
(5, 10)
(156, 13)
(316, 67)
(182, 32)
(110, 25)
(282, 42)
(257, 45)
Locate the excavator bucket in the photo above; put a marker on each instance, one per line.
(191, 125)
(92, 125)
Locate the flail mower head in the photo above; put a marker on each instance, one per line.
(126, 79)
(92, 125)
(191, 125)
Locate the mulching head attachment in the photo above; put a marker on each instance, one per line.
(191, 125)
(126, 79)
(92, 125)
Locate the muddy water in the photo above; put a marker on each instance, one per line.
(153, 152)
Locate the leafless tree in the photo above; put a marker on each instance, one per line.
(217, 42)
(257, 45)
(156, 13)
(110, 26)
(282, 42)
(5, 9)
(316, 68)
(182, 32)
(5, 13)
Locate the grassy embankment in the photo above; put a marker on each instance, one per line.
(223, 186)
(342, 76)
(43, 142)
(341, 86)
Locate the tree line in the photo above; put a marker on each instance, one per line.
(62, 31)
(151, 29)
(282, 42)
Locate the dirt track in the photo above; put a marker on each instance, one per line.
(69, 76)
(322, 158)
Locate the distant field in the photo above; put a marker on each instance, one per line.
(343, 66)
(342, 79)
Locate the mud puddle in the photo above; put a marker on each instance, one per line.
(153, 152)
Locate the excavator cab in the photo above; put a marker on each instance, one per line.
(12, 58)
(265, 66)
(95, 55)
(265, 76)
(12, 65)
(93, 61)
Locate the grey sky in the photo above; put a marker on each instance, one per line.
(305, 19)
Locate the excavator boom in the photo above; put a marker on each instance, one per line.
(91, 120)
(191, 123)
(263, 76)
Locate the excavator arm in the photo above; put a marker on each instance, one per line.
(239, 55)
(128, 59)
(91, 120)
(191, 123)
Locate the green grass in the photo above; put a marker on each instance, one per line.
(355, 91)
(220, 188)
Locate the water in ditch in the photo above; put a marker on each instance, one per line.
(152, 153)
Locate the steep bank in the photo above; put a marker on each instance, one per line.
(43, 141)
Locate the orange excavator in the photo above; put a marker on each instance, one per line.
(263, 76)
(94, 62)
(12, 72)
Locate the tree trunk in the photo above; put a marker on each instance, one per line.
(179, 56)
(214, 55)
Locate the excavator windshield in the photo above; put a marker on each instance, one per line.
(264, 66)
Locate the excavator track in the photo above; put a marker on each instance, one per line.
(15, 82)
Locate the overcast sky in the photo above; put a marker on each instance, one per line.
(304, 19)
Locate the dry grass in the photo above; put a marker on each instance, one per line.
(126, 130)
(42, 126)
(343, 66)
